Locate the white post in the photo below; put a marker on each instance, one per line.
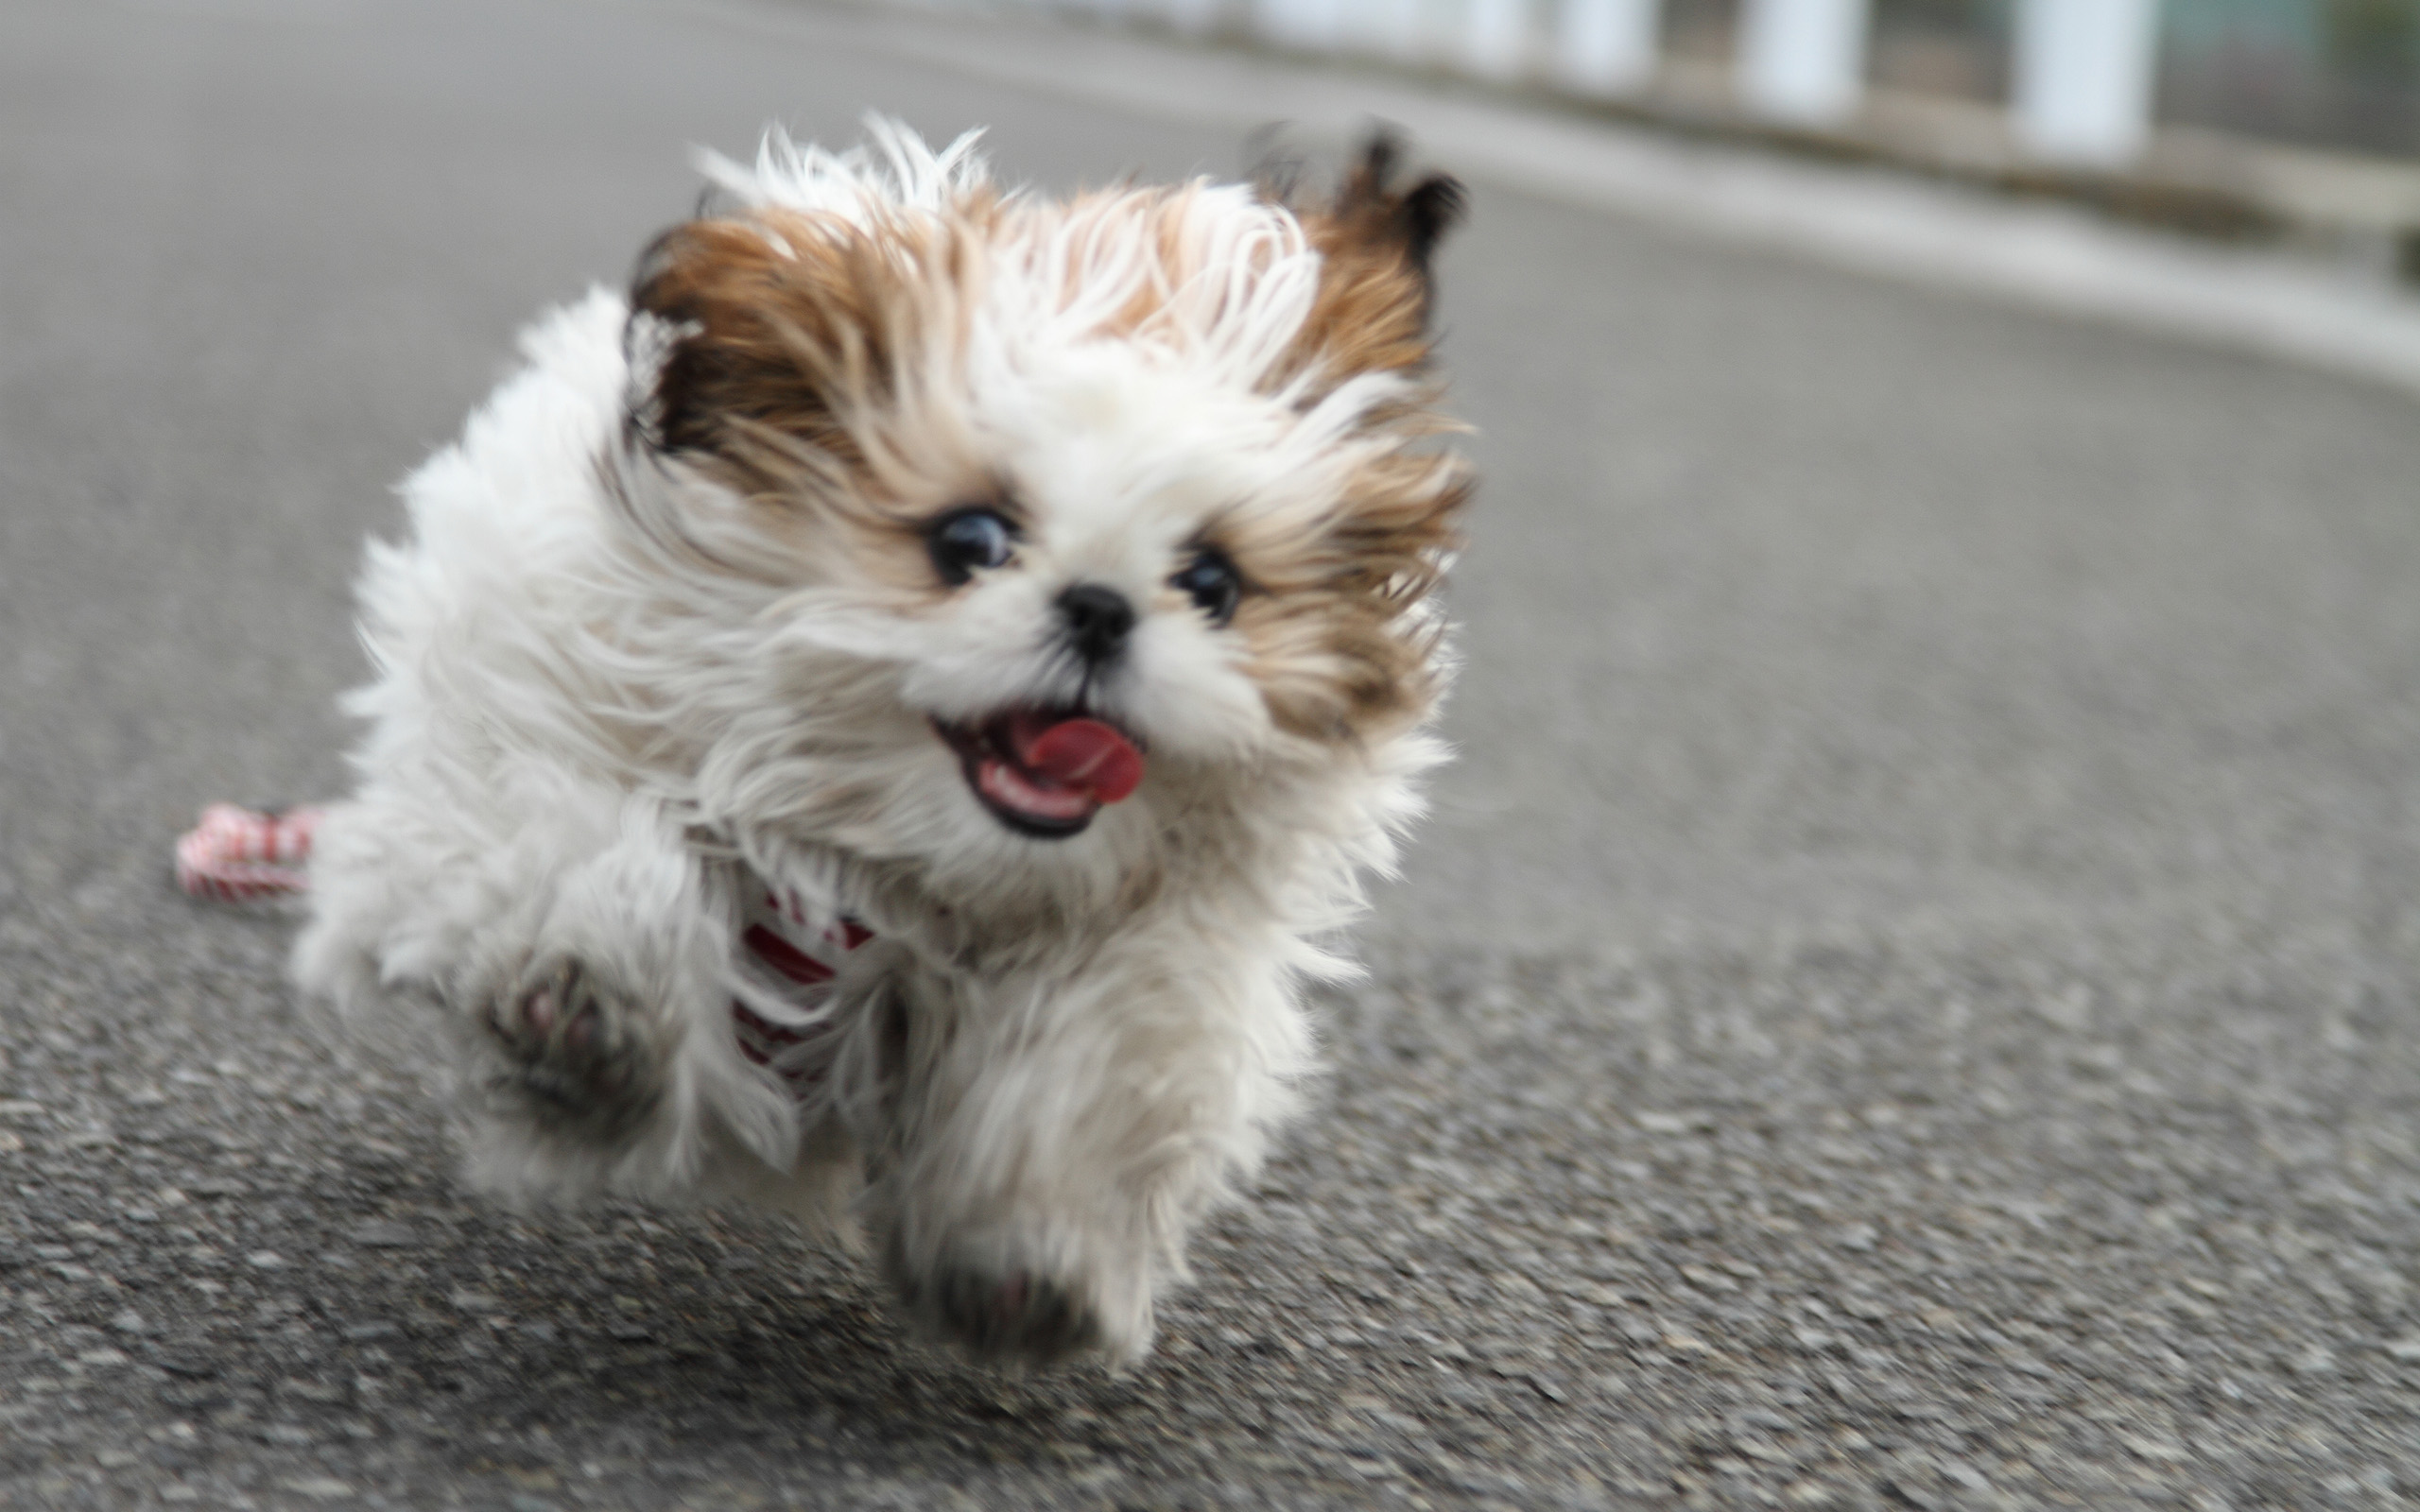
(1321, 24)
(1398, 30)
(1802, 61)
(1607, 46)
(2083, 79)
(1358, 25)
(1314, 26)
(1495, 38)
(1193, 18)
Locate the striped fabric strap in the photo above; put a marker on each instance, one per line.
(237, 855)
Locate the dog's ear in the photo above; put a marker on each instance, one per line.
(769, 329)
(1377, 242)
(1378, 217)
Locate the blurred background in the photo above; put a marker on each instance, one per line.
(2342, 73)
(1910, 991)
(2233, 115)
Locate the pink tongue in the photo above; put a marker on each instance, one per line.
(1080, 753)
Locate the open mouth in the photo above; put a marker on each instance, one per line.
(1046, 772)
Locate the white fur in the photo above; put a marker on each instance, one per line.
(605, 705)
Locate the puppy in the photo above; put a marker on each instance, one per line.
(876, 720)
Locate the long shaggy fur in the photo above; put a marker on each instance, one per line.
(667, 641)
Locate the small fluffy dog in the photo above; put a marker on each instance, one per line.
(875, 720)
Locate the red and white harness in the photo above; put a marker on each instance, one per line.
(240, 855)
(805, 956)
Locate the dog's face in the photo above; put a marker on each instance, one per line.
(1058, 519)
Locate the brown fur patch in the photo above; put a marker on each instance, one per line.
(805, 366)
(793, 322)
(1338, 650)
(1376, 242)
(1338, 647)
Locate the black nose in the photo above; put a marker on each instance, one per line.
(1098, 619)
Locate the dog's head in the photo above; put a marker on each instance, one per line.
(1044, 519)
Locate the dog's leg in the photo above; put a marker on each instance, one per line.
(578, 1013)
(1046, 1146)
(579, 1057)
(576, 948)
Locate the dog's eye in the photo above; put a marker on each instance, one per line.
(1211, 582)
(966, 539)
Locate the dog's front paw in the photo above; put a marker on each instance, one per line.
(577, 1052)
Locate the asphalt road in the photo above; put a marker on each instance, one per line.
(1911, 997)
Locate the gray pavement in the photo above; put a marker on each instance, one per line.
(1911, 997)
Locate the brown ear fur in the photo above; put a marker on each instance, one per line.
(786, 330)
(1341, 653)
(1376, 243)
(1337, 649)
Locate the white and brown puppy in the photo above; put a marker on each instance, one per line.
(876, 720)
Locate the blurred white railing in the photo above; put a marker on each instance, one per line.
(2082, 77)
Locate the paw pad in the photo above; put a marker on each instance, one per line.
(577, 1051)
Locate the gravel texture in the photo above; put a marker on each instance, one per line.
(1910, 997)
